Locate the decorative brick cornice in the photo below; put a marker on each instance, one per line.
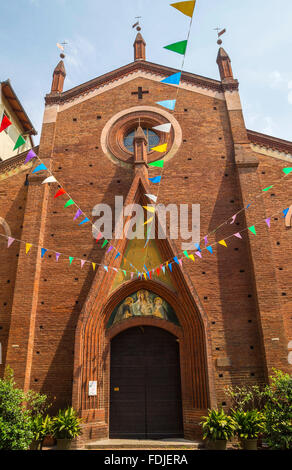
(270, 142)
(230, 86)
(133, 67)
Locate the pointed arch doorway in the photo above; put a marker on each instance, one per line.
(145, 385)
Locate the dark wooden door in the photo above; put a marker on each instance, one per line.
(145, 386)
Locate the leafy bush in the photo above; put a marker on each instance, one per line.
(66, 425)
(246, 398)
(218, 426)
(249, 424)
(15, 420)
(278, 411)
(41, 427)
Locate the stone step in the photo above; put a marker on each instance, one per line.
(131, 444)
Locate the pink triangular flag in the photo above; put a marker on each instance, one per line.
(180, 261)
(58, 256)
(233, 219)
(82, 263)
(132, 274)
(237, 235)
(268, 222)
(10, 241)
(198, 253)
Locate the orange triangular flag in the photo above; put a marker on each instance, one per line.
(187, 8)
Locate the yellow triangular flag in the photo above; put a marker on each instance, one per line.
(27, 247)
(93, 265)
(192, 257)
(149, 209)
(145, 276)
(223, 242)
(160, 148)
(148, 221)
(187, 8)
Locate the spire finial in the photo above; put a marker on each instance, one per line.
(220, 32)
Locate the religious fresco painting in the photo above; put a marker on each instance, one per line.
(143, 303)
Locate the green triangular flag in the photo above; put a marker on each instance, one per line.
(20, 141)
(252, 229)
(186, 254)
(158, 164)
(267, 189)
(179, 47)
(69, 203)
(287, 170)
(71, 259)
(104, 243)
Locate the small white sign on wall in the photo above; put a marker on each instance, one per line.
(92, 389)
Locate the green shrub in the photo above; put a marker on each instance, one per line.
(66, 425)
(249, 424)
(41, 427)
(278, 411)
(15, 420)
(246, 398)
(218, 426)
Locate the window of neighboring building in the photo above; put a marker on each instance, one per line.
(152, 138)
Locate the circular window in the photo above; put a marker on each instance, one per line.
(152, 139)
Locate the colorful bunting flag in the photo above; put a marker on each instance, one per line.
(233, 219)
(148, 221)
(149, 209)
(5, 123)
(198, 253)
(163, 269)
(169, 104)
(78, 214)
(252, 229)
(156, 179)
(10, 241)
(110, 249)
(159, 148)
(59, 193)
(84, 221)
(223, 243)
(210, 249)
(104, 243)
(285, 212)
(287, 170)
(71, 259)
(40, 167)
(192, 257)
(176, 259)
(198, 246)
(170, 267)
(50, 179)
(237, 235)
(69, 203)
(163, 127)
(119, 254)
(268, 222)
(27, 247)
(172, 79)
(187, 8)
(179, 47)
(267, 189)
(43, 252)
(157, 164)
(186, 254)
(29, 156)
(58, 256)
(82, 263)
(206, 241)
(93, 266)
(125, 273)
(152, 197)
(20, 141)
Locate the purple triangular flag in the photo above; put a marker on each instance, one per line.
(206, 241)
(29, 156)
(58, 256)
(110, 249)
(78, 214)
(10, 241)
(198, 253)
(268, 222)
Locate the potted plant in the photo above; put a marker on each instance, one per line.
(218, 428)
(249, 424)
(65, 427)
(41, 427)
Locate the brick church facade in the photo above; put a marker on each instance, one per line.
(232, 309)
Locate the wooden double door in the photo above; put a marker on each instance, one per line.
(145, 385)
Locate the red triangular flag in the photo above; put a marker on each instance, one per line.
(5, 123)
(60, 192)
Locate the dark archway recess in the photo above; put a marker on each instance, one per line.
(145, 385)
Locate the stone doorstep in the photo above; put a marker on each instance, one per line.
(131, 444)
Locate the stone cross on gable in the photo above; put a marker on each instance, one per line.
(140, 92)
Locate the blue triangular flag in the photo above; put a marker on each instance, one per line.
(285, 212)
(156, 179)
(170, 267)
(198, 246)
(169, 104)
(173, 79)
(43, 250)
(106, 268)
(39, 168)
(119, 254)
(209, 248)
(84, 221)
(176, 259)
(163, 269)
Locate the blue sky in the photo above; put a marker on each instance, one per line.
(100, 37)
